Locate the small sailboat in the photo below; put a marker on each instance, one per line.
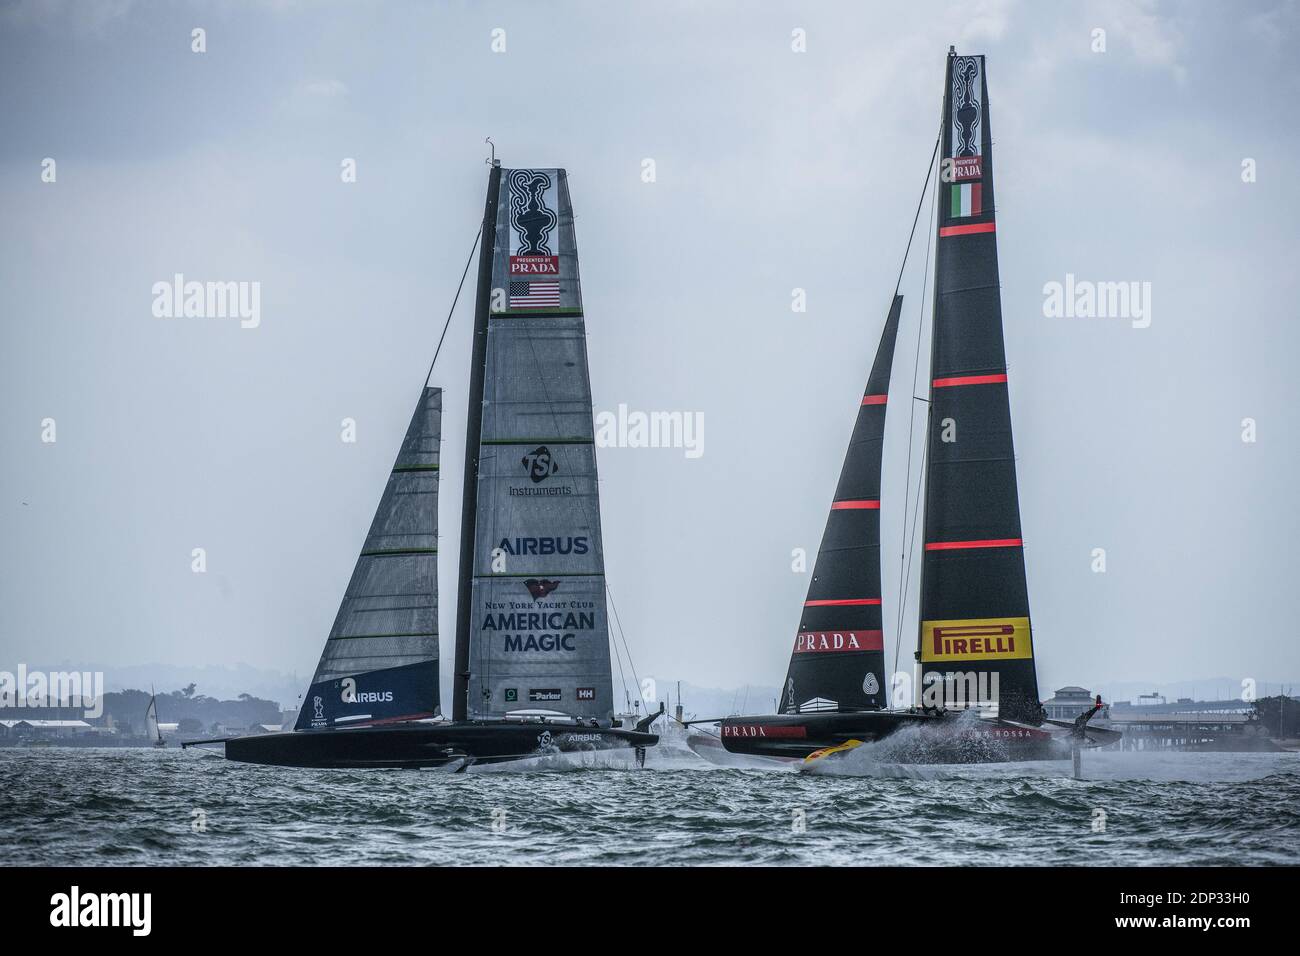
(532, 658)
(152, 730)
(977, 687)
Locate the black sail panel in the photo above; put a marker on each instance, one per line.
(838, 661)
(381, 659)
(974, 599)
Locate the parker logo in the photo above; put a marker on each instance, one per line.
(539, 588)
(546, 695)
(1003, 638)
(824, 642)
(539, 464)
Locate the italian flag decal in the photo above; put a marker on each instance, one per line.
(965, 200)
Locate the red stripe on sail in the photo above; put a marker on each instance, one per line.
(872, 504)
(842, 602)
(874, 399)
(970, 380)
(966, 230)
(985, 543)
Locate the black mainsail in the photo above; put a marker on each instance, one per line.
(838, 661)
(381, 658)
(974, 598)
(533, 635)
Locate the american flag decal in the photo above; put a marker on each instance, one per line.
(535, 294)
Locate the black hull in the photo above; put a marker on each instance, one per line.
(943, 738)
(405, 746)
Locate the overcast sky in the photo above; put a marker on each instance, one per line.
(775, 170)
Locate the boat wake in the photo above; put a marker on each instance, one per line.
(920, 751)
(558, 762)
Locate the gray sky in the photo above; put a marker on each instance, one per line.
(775, 170)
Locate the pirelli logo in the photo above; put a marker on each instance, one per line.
(982, 639)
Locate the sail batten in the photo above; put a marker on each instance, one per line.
(838, 659)
(381, 656)
(974, 616)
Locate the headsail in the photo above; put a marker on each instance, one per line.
(381, 659)
(533, 634)
(838, 662)
(974, 599)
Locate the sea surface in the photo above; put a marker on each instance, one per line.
(140, 807)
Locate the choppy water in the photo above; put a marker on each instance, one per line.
(65, 806)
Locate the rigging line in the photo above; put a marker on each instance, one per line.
(905, 574)
(446, 325)
(627, 650)
(919, 203)
(622, 678)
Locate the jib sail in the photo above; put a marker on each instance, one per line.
(532, 635)
(381, 659)
(838, 661)
(975, 641)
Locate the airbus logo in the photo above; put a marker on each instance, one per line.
(351, 695)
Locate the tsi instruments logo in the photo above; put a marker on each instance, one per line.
(540, 465)
(353, 696)
(103, 909)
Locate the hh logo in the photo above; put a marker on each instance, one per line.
(539, 464)
(983, 639)
(586, 693)
(540, 588)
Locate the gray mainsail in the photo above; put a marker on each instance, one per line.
(381, 659)
(536, 636)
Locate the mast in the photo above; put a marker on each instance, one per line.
(473, 430)
(974, 604)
